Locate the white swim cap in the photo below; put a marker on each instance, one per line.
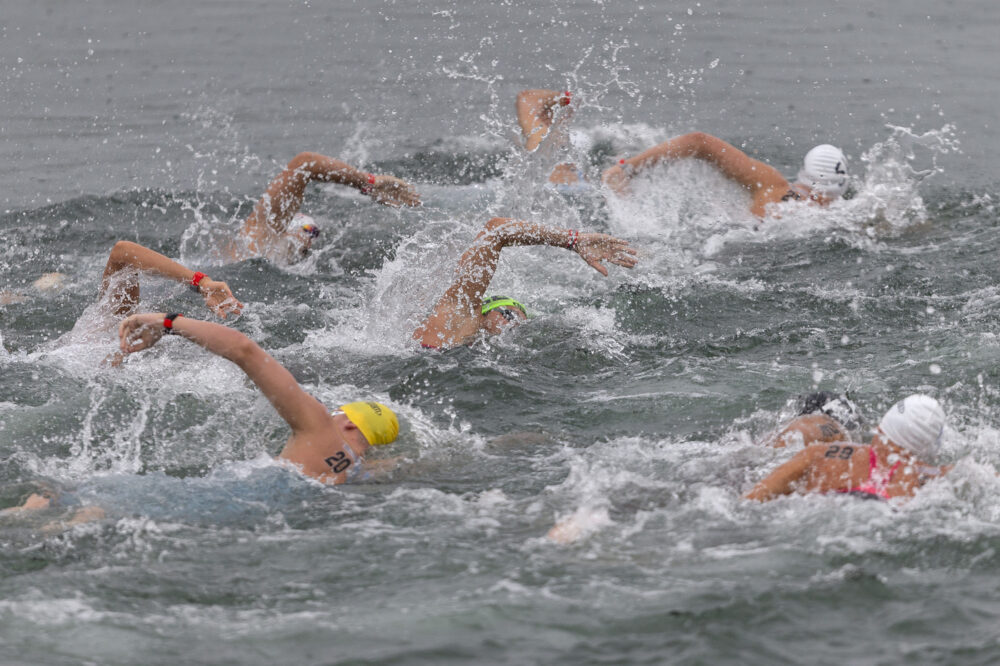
(916, 424)
(824, 170)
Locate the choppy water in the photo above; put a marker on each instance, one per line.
(632, 404)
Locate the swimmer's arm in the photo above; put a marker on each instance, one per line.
(456, 315)
(303, 413)
(385, 189)
(126, 255)
(35, 502)
(734, 164)
(782, 481)
(535, 114)
(284, 194)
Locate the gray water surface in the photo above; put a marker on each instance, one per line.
(632, 406)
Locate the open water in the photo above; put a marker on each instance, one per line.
(633, 406)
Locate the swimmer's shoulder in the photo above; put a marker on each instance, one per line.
(810, 429)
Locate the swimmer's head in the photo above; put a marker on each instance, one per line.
(916, 424)
(376, 422)
(310, 230)
(303, 231)
(838, 407)
(499, 312)
(824, 171)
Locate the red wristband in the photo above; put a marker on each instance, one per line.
(367, 189)
(565, 99)
(574, 235)
(168, 321)
(197, 278)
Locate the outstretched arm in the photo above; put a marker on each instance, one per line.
(302, 412)
(536, 113)
(134, 258)
(734, 164)
(456, 316)
(284, 194)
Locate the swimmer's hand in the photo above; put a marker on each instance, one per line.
(392, 191)
(616, 178)
(218, 298)
(598, 248)
(141, 331)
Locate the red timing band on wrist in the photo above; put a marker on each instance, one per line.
(621, 161)
(565, 99)
(168, 321)
(367, 189)
(197, 278)
(573, 236)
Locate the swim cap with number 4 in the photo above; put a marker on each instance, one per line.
(824, 170)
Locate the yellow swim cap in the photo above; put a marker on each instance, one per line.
(376, 422)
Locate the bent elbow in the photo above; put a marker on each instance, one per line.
(122, 248)
(121, 254)
(494, 231)
(495, 224)
(303, 159)
(696, 144)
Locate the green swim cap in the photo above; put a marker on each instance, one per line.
(494, 302)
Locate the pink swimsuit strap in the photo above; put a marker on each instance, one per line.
(875, 487)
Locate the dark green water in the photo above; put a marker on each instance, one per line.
(633, 404)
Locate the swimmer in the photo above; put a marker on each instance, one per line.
(463, 313)
(119, 291)
(119, 294)
(822, 179)
(541, 113)
(824, 417)
(274, 231)
(897, 462)
(326, 445)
